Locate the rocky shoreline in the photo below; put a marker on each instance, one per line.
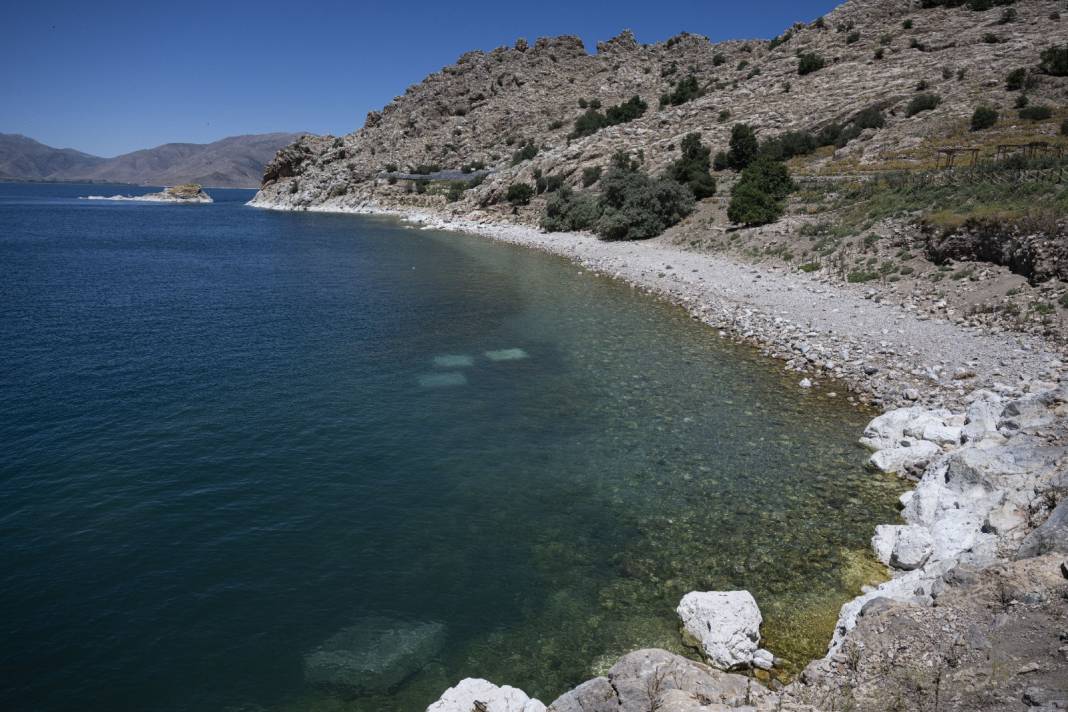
(979, 421)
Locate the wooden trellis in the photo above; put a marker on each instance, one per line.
(951, 154)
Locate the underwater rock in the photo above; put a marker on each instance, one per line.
(453, 361)
(444, 379)
(725, 623)
(374, 654)
(506, 355)
(475, 694)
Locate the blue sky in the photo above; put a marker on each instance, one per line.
(112, 77)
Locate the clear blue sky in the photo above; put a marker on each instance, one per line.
(111, 77)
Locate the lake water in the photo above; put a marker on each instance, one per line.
(228, 434)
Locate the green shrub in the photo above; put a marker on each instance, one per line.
(1021, 101)
(852, 37)
(524, 154)
(724, 115)
(758, 196)
(922, 85)
(1054, 61)
(685, 90)
(744, 147)
(979, 5)
(456, 190)
(809, 62)
(1037, 112)
(519, 194)
(1064, 128)
(635, 206)
(390, 168)
(1008, 15)
(692, 167)
(593, 120)
(568, 211)
(720, 162)
(983, 118)
(879, 53)
(718, 58)
(991, 38)
(921, 103)
(1019, 79)
(907, 24)
(590, 175)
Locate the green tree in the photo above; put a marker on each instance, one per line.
(744, 146)
(692, 167)
(809, 62)
(983, 118)
(519, 193)
(758, 198)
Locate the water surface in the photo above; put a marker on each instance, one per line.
(230, 433)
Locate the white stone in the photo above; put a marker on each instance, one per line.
(900, 459)
(725, 623)
(915, 428)
(942, 434)
(883, 542)
(912, 547)
(763, 659)
(888, 430)
(463, 697)
(1005, 518)
(453, 361)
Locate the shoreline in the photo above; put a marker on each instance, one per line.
(946, 392)
(885, 354)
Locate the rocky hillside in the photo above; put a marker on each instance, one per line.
(234, 162)
(489, 105)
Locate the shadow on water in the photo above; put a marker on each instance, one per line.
(239, 437)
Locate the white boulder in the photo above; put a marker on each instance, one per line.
(902, 459)
(912, 547)
(475, 693)
(725, 623)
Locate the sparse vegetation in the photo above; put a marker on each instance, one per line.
(519, 194)
(758, 197)
(1019, 79)
(921, 103)
(590, 175)
(593, 120)
(907, 24)
(983, 118)
(631, 205)
(852, 37)
(809, 62)
(692, 167)
(744, 147)
(685, 90)
(1054, 61)
(1036, 112)
(526, 153)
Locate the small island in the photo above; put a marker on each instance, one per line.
(187, 193)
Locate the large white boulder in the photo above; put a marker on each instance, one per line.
(888, 430)
(902, 459)
(904, 547)
(725, 623)
(490, 697)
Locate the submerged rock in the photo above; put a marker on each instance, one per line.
(373, 655)
(725, 623)
(477, 695)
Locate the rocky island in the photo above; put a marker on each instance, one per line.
(186, 194)
(875, 197)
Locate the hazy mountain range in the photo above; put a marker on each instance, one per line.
(234, 162)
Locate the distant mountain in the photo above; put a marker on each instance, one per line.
(234, 162)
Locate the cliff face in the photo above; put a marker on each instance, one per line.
(490, 104)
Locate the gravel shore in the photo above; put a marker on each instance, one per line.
(888, 355)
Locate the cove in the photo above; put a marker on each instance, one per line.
(231, 434)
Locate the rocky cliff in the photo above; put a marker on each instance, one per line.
(488, 105)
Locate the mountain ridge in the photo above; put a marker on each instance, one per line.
(231, 162)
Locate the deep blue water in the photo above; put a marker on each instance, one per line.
(224, 437)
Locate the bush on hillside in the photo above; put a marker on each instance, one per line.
(1019, 79)
(983, 118)
(519, 194)
(590, 175)
(685, 90)
(568, 211)
(758, 198)
(1036, 112)
(524, 154)
(593, 120)
(744, 147)
(1064, 128)
(809, 62)
(692, 167)
(1054, 61)
(720, 161)
(852, 37)
(923, 102)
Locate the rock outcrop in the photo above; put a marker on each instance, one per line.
(725, 624)
(478, 695)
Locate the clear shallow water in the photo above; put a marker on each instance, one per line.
(226, 437)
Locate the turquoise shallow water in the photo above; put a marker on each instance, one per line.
(229, 434)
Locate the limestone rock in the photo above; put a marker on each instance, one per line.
(596, 695)
(725, 623)
(477, 694)
(1050, 536)
(902, 459)
(641, 679)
